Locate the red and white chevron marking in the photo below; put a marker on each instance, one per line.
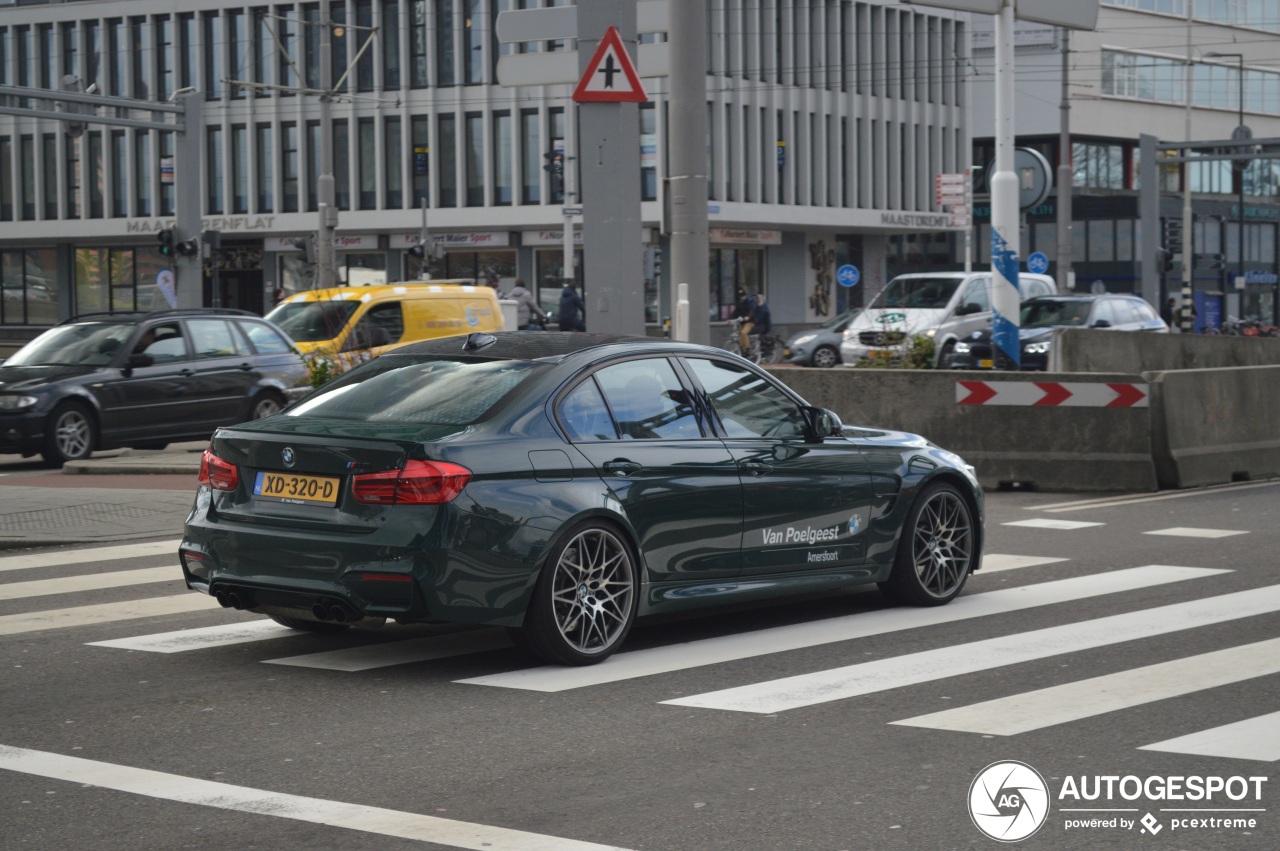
(1052, 394)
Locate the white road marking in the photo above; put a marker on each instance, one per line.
(1190, 532)
(93, 554)
(727, 648)
(400, 652)
(1254, 738)
(89, 582)
(182, 640)
(996, 562)
(957, 659)
(1050, 523)
(1035, 710)
(1111, 501)
(105, 613)
(224, 796)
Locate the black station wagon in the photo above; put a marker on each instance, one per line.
(563, 485)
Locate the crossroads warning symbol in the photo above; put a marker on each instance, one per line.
(611, 75)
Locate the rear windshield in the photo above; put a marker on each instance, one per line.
(313, 321)
(90, 344)
(928, 293)
(395, 389)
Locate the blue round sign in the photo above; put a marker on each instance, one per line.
(1038, 263)
(847, 275)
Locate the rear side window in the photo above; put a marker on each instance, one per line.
(313, 321)
(214, 338)
(647, 400)
(403, 390)
(584, 415)
(265, 339)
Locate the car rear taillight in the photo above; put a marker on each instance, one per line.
(419, 483)
(218, 474)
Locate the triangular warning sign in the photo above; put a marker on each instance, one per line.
(611, 75)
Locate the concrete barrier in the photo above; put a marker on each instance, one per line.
(1048, 448)
(1216, 425)
(1091, 350)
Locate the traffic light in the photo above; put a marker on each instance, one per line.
(189, 247)
(307, 246)
(166, 242)
(657, 262)
(419, 250)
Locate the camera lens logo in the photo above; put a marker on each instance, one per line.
(1008, 801)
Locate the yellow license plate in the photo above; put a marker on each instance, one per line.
(290, 487)
(986, 363)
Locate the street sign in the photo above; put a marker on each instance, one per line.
(571, 211)
(611, 75)
(950, 188)
(848, 275)
(1038, 263)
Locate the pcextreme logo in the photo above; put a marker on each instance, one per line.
(1009, 801)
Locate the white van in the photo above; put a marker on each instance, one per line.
(945, 306)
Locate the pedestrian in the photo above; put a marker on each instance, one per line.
(572, 310)
(1167, 312)
(527, 309)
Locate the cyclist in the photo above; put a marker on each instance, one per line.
(744, 309)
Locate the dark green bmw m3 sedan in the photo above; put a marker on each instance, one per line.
(562, 485)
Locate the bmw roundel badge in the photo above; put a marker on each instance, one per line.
(288, 457)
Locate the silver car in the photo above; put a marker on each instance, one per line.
(820, 346)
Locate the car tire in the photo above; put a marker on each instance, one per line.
(306, 625)
(948, 349)
(71, 434)
(936, 550)
(585, 601)
(825, 357)
(268, 403)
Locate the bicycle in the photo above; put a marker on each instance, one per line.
(764, 348)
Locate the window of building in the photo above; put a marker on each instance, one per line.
(556, 132)
(531, 157)
(447, 159)
(238, 36)
(93, 168)
(49, 174)
(289, 167)
(339, 51)
(393, 163)
(363, 31)
(119, 175)
(239, 168)
(285, 27)
(445, 75)
(475, 28)
(117, 58)
(503, 151)
(142, 59)
(1098, 165)
(475, 159)
(367, 153)
(166, 175)
(70, 47)
(164, 57)
(342, 164)
(388, 44)
(1150, 78)
(213, 170)
(264, 159)
(264, 51)
(418, 41)
(70, 179)
(311, 35)
(188, 55)
(420, 148)
(649, 152)
(214, 43)
(30, 287)
(142, 172)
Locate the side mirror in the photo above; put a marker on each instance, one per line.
(823, 423)
(1102, 323)
(139, 359)
(968, 309)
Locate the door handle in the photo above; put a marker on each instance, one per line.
(621, 467)
(755, 468)
(186, 373)
(246, 366)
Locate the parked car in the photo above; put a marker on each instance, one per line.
(143, 380)
(944, 306)
(562, 485)
(820, 346)
(1115, 312)
(376, 317)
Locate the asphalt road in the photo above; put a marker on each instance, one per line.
(129, 720)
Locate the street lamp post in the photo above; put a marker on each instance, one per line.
(1238, 166)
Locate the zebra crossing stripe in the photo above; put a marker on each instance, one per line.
(1254, 738)
(1035, 710)
(710, 651)
(260, 802)
(182, 640)
(93, 554)
(89, 582)
(105, 613)
(400, 652)
(914, 668)
(996, 562)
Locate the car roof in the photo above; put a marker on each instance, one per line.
(357, 292)
(136, 316)
(540, 345)
(1081, 297)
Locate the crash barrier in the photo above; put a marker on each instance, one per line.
(1216, 425)
(1093, 350)
(1072, 431)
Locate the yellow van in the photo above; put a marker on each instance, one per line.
(379, 317)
